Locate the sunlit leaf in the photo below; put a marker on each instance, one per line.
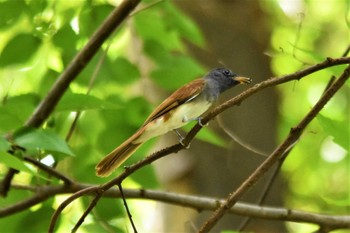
(19, 49)
(10, 12)
(91, 16)
(340, 131)
(42, 139)
(13, 162)
(186, 27)
(32, 217)
(4, 144)
(169, 77)
(125, 72)
(80, 102)
(16, 110)
(150, 25)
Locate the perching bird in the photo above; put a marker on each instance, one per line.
(186, 104)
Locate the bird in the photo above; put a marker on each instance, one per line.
(186, 104)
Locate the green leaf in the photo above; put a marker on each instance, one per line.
(32, 217)
(151, 25)
(14, 162)
(340, 131)
(81, 102)
(104, 211)
(91, 16)
(4, 144)
(66, 40)
(179, 71)
(10, 12)
(125, 71)
(19, 50)
(43, 139)
(186, 26)
(16, 111)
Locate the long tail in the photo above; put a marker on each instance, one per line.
(114, 159)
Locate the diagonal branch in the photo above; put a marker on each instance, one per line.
(45, 108)
(294, 135)
(177, 147)
(78, 63)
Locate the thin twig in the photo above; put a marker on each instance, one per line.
(54, 218)
(91, 84)
(127, 208)
(332, 78)
(49, 170)
(263, 168)
(91, 206)
(265, 190)
(239, 141)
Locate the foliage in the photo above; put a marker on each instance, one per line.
(38, 40)
(318, 167)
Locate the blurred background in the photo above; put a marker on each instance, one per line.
(163, 45)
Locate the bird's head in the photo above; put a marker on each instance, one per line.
(224, 79)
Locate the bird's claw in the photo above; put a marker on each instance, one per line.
(199, 120)
(184, 144)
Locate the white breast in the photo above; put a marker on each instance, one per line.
(179, 117)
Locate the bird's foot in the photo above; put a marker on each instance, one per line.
(181, 139)
(187, 146)
(199, 120)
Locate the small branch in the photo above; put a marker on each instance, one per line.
(86, 212)
(195, 202)
(49, 170)
(127, 208)
(54, 218)
(239, 141)
(6, 182)
(280, 150)
(42, 194)
(265, 190)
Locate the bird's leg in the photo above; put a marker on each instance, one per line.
(181, 139)
(198, 119)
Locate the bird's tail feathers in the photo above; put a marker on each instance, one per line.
(115, 158)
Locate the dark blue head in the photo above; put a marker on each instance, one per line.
(221, 79)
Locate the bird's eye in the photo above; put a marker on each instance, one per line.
(227, 72)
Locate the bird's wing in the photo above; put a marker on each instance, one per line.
(182, 95)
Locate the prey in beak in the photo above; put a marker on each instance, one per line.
(242, 80)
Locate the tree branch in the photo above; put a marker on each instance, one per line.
(280, 150)
(190, 201)
(45, 108)
(106, 189)
(78, 63)
(177, 147)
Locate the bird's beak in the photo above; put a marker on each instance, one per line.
(242, 80)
